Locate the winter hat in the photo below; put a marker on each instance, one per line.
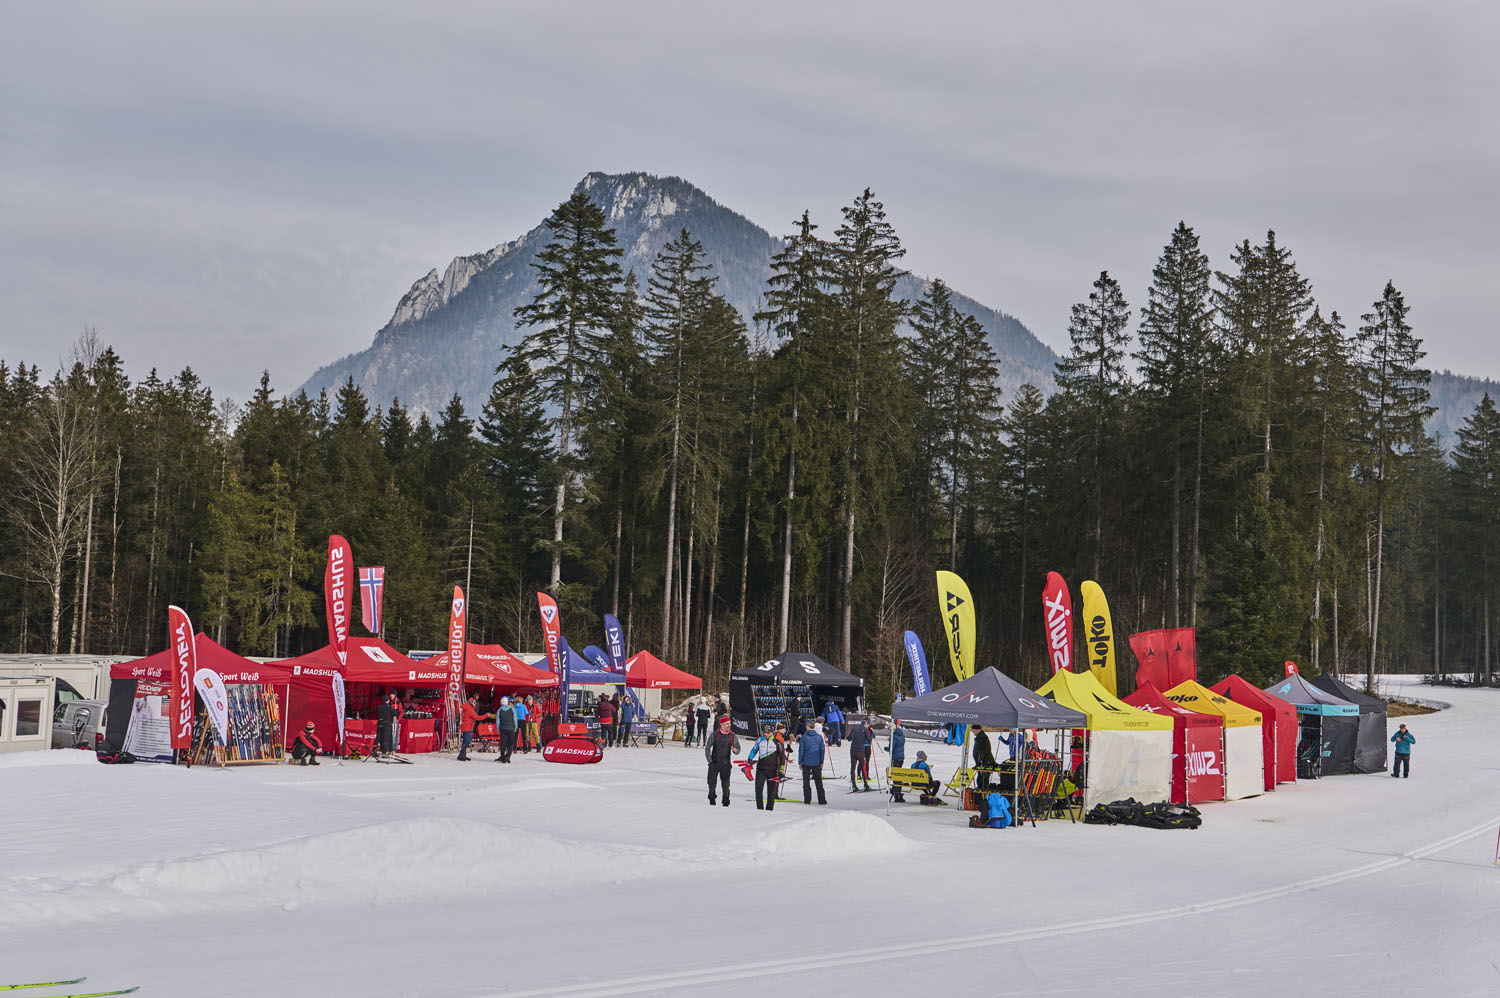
(308, 726)
(921, 755)
(505, 701)
(724, 721)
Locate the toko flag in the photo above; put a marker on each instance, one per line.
(917, 656)
(1099, 636)
(1057, 612)
(372, 598)
(184, 664)
(337, 578)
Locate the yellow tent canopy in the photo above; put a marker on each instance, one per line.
(1082, 692)
(1195, 696)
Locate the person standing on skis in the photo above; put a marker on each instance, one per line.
(811, 749)
(720, 750)
(767, 755)
(859, 755)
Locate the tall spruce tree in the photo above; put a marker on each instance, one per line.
(1476, 473)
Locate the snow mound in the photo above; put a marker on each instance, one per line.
(45, 757)
(520, 786)
(832, 836)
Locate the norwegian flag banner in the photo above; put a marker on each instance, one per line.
(372, 598)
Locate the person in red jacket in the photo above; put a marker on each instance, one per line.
(306, 747)
(605, 711)
(468, 723)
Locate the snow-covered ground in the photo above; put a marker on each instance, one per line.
(443, 879)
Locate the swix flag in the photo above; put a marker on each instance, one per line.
(957, 608)
(551, 630)
(337, 579)
(1099, 635)
(1291, 668)
(1165, 657)
(458, 616)
(372, 598)
(1057, 613)
(917, 656)
(184, 664)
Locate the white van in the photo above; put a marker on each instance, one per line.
(25, 713)
(78, 724)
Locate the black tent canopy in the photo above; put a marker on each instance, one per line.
(992, 699)
(794, 681)
(1371, 741)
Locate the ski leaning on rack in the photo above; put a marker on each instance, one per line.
(102, 994)
(41, 984)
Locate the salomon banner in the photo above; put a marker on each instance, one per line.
(184, 664)
(1057, 611)
(458, 616)
(1099, 636)
(337, 579)
(917, 656)
(957, 608)
(210, 687)
(339, 709)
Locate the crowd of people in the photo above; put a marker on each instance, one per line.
(801, 742)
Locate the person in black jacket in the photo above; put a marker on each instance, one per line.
(984, 756)
(768, 756)
(306, 747)
(858, 737)
(704, 712)
(719, 750)
(385, 725)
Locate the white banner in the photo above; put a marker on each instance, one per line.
(338, 708)
(211, 688)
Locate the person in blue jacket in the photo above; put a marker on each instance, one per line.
(835, 718)
(924, 766)
(810, 752)
(1401, 766)
(897, 746)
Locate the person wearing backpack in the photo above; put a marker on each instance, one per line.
(1404, 740)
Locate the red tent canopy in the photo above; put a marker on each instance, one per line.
(1278, 725)
(492, 665)
(231, 668)
(1197, 746)
(370, 660)
(644, 671)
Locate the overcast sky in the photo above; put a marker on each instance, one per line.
(239, 186)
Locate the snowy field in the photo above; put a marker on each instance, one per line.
(443, 879)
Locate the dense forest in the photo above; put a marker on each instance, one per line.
(1228, 454)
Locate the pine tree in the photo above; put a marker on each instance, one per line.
(1476, 472)
(1019, 454)
(575, 307)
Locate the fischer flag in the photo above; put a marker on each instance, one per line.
(917, 656)
(1057, 611)
(336, 579)
(371, 598)
(458, 616)
(551, 630)
(338, 710)
(1099, 636)
(184, 664)
(211, 688)
(957, 608)
(1165, 657)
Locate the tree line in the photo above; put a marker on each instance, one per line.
(1231, 455)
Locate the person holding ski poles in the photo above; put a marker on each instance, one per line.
(811, 750)
(767, 756)
(1402, 762)
(859, 756)
(835, 719)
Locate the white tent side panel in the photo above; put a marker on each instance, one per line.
(1129, 764)
(1244, 761)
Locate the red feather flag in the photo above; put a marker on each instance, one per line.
(1057, 614)
(338, 579)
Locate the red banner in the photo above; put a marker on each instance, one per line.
(457, 620)
(551, 628)
(1291, 668)
(338, 580)
(1165, 657)
(1057, 611)
(576, 751)
(184, 664)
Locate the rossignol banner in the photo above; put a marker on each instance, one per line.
(1099, 636)
(458, 616)
(210, 687)
(1057, 614)
(917, 656)
(184, 664)
(338, 580)
(957, 608)
(338, 709)
(551, 630)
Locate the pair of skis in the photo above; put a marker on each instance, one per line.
(60, 984)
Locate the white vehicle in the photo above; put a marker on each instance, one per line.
(25, 713)
(78, 723)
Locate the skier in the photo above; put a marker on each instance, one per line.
(1402, 762)
(306, 747)
(768, 757)
(468, 723)
(859, 755)
(505, 727)
(811, 749)
(719, 750)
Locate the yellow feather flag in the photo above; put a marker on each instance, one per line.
(1098, 635)
(957, 608)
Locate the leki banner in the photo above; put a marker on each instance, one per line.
(957, 608)
(917, 656)
(551, 629)
(1057, 612)
(339, 708)
(337, 578)
(614, 643)
(458, 615)
(210, 687)
(1099, 635)
(184, 665)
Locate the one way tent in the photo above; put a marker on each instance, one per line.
(1129, 751)
(1370, 748)
(1244, 738)
(1328, 727)
(1197, 747)
(1278, 727)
